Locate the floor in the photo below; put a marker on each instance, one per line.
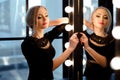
(18, 72)
(14, 75)
(14, 72)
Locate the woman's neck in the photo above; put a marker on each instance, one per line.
(38, 34)
(100, 33)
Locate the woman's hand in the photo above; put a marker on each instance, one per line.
(73, 41)
(84, 40)
(60, 59)
(59, 21)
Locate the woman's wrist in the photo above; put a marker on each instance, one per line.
(59, 21)
(70, 49)
(87, 48)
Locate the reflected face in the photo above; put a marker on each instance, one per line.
(42, 18)
(100, 18)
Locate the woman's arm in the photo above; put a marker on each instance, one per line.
(59, 21)
(88, 24)
(100, 59)
(60, 59)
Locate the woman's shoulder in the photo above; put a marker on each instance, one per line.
(29, 40)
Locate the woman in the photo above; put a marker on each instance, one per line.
(99, 45)
(38, 49)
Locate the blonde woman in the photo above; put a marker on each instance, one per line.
(99, 46)
(38, 49)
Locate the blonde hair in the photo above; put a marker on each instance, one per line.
(109, 17)
(31, 16)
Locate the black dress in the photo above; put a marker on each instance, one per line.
(39, 59)
(94, 71)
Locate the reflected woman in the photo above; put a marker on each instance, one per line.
(99, 46)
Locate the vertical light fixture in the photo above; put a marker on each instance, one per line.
(116, 34)
(116, 30)
(75, 14)
(68, 64)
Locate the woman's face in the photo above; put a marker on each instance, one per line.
(42, 18)
(100, 18)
